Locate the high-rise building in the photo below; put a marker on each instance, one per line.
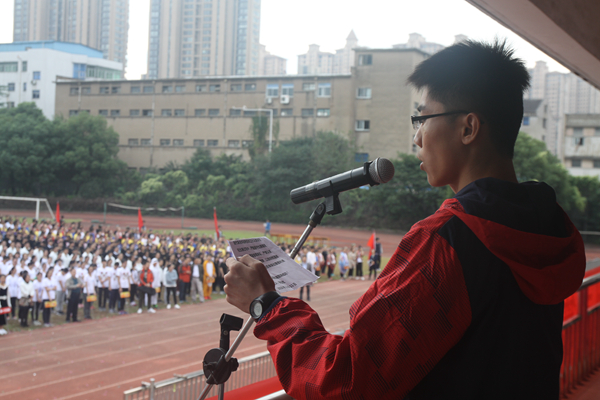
(100, 24)
(564, 94)
(190, 38)
(317, 62)
(417, 41)
(270, 64)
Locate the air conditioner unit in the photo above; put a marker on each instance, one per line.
(285, 99)
(269, 100)
(33, 83)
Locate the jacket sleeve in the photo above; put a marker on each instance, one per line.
(399, 329)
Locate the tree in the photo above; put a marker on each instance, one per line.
(533, 161)
(25, 136)
(86, 155)
(259, 132)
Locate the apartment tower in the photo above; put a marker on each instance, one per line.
(100, 24)
(191, 38)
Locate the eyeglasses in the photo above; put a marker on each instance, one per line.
(417, 120)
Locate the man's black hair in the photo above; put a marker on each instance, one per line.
(482, 78)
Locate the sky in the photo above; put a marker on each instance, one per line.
(289, 26)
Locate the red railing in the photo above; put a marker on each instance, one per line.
(581, 334)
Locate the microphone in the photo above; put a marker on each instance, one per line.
(380, 170)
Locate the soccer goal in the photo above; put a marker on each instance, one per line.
(30, 199)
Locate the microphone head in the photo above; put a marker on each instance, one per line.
(381, 170)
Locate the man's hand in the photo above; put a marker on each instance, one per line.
(246, 280)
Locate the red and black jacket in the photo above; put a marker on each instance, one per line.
(470, 306)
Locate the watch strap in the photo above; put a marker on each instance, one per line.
(266, 299)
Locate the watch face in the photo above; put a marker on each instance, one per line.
(257, 309)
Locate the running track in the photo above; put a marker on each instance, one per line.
(101, 359)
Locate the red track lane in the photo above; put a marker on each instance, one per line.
(102, 358)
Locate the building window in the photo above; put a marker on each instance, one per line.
(272, 90)
(86, 90)
(597, 132)
(148, 89)
(323, 112)
(165, 142)
(215, 88)
(324, 90)
(544, 123)
(37, 75)
(198, 142)
(133, 142)
(134, 113)
(200, 88)
(135, 89)
(167, 89)
(576, 163)
(233, 143)
(115, 89)
(24, 86)
(361, 157)
(250, 87)
(212, 143)
(596, 163)
(287, 112)
(179, 112)
(180, 88)
(104, 113)
(104, 89)
(213, 112)
(363, 125)
(363, 93)
(526, 120)
(236, 87)
(9, 67)
(577, 131)
(309, 87)
(72, 113)
(177, 142)
(234, 112)
(247, 143)
(115, 113)
(365, 59)
(308, 112)
(166, 112)
(249, 113)
(24, 66)
(199, 112)
(11, 87)
(35, 94)
(287, 89)
(147, 113)
(579, 141)
(146, 142)
(73, 91)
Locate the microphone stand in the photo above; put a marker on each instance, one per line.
(218, 362)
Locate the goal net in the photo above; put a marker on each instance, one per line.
(132, 212)
(26, 206)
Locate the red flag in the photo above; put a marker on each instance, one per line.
(216, 223)
(58, 213)
(371, 244)
(140, 220)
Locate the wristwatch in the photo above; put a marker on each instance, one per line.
(262, 303)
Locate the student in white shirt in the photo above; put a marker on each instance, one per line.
(156, 269)
(113, 281)
(89, 289)
(124, 286)
(48, 294)
(38, 291)
(61, 289)
(105, 282)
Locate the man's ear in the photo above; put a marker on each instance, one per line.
(471, 128)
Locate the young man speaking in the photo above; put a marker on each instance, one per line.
(470, 306)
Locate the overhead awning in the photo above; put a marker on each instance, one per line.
(568, 31)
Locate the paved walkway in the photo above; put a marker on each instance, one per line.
(590, 390)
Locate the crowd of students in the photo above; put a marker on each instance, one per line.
(46, 269)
